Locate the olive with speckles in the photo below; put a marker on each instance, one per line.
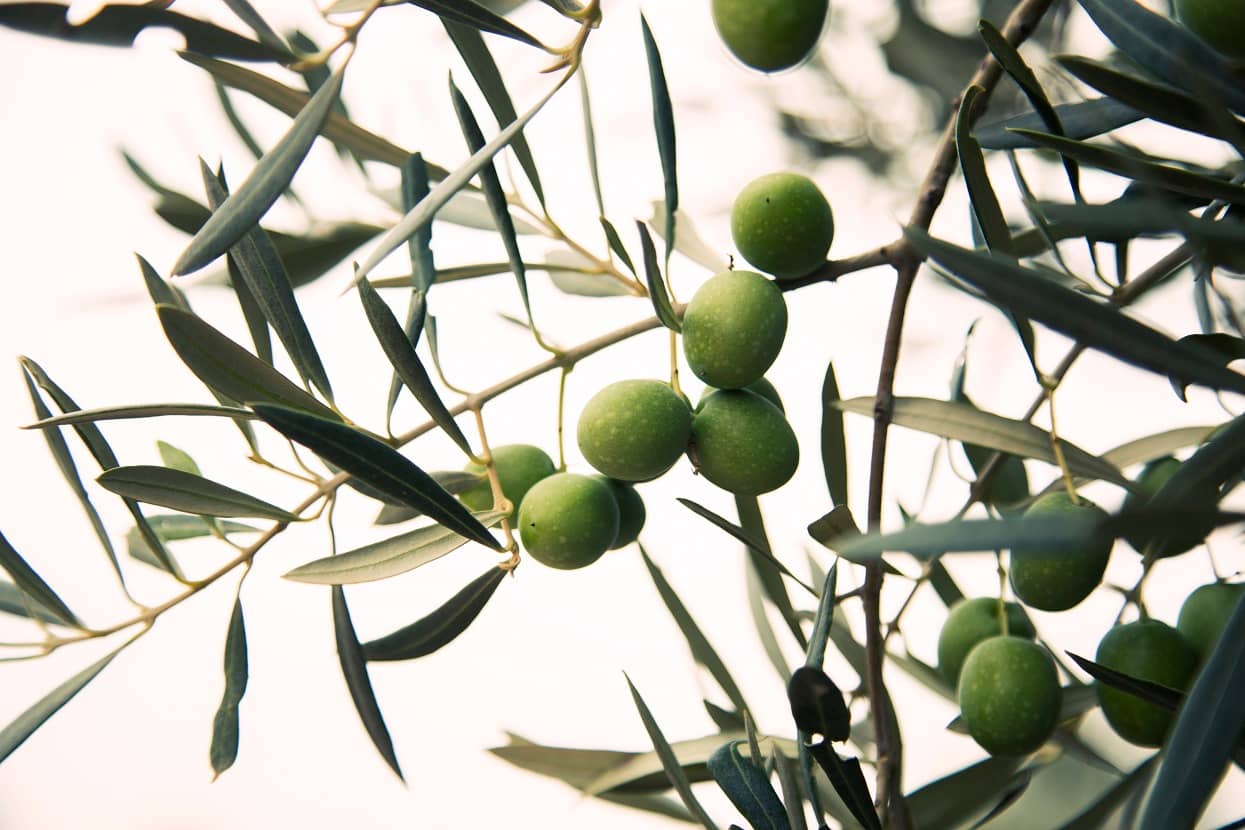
(519, 466)
(1147, 650)
(1058, 578)
(1009, 695)
(782, 224)
(733, 329)
(568, 521)
(743, 443)
(634, 430)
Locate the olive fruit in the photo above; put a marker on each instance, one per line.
(631, 512)
(1009, 695)
(1056, 579)
(1147, 650)
(568, 520)
(1221, 23)
(1152, 478)
(634, 430)
(1204, 614)
(743, 443)
(519, 466)
(971, 621)
(770, 35)
(782, 224)
(733, 328)
(760, 387)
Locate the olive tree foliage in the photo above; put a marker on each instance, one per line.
(1047, 259)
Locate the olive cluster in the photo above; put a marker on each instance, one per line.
(1007, 684)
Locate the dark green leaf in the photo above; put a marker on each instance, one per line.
(663, 125)
(984, 202)
(30, 582)
(748, 788)
(256, 322)
(264, 276)
(224, 750)
(753, 544)
(378, 465)
(401, 353)
(697, 643)
(669, 762)
(616, 245)
(427, 634)
(849, 783)
(188, 493)
(833, 439)
(1089, 323)
(656, 282)
(119, 25)
(815, 656)
(1080, 120)
(942, 583)
(476, 16)
(272, 175)
(228, 368)
(16, 733)
(354, 669)
(951, 800)
(817, 705)
(15, 601)
(1228, 347)
(1156, 693)
(838, 524)
(454, 482)
(1100, 811)
(121, 413)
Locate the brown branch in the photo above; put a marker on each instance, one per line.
(1020, 25)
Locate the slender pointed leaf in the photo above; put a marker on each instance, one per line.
(815, 654)
(951, 800)
(122, 413)
(189, 493)
(224, 748)
(748, 788)
(768, 569)
(354, 669)
(848, 780)
(791, 798)
(1100, 811)
(256, 322)
(752, 544)
(427, 634)
(248, 15)
(984, 202)
(477, 16)
(833, 439)
(454, 482)
(378, 465)
(1080, 120)
(29, 581)
(616, 245)
(760, 620)
(656, 282)
(1155, 446)
(663, 126)
(15, 601)
(177, 459)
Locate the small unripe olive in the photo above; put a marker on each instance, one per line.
(971, 621)
(1009, 695)
(1221, 23)
(1205, 612)
(1056, 579)
(631, 512)
(1147, 650)
(1152, 478)
(743, 443)
(733, 328)
(782, 224)
(568, 520)
(634, 430)
(770, 35)
(519, 466)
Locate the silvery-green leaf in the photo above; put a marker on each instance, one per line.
(121, 413)
(657, 292)
(224, 748)
(15, 601)
(29, 581)
(1081, 119)
(688, 242)
(188, 493)
(748, 788)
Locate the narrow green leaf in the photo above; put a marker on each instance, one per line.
(1156, 693)
(477, 16)
(748, 788)
(1097, 814)
(1218, 461)
(616, 245)
(188, 493)
(768, 569)
(833, 439)
(228, 368)
(590, 145)
(120, 24)
(15, 601)
(387, 558)
(669, 762)
(760, 620)
(1126, 219)
(414, 186)
(963, 422)
(984, 202)
(268, 180)
(942, 583)
(815, 654)
(378, 465)
(398, 348)
(663, 125)
(16, 733)
(256, 322)
(1155, 446)
(264, 276)
(687, 242)
(475, 53)
(354, 669)
(121, 413)
(697, 643)
(247, 14)
(953, 799)
(752, 544)
(790, 787)
(427, 208)
(656, 282)
(224, 748)
(177, 459)
(1080, 120)
(29, 581)
(1090, 323)
(454, 482)
(848, 780)
(429, 633)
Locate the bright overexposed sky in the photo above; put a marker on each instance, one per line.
(545, 659)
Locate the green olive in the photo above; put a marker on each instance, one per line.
(743, 443)
(782, 224)
(1009, 695)
(519, 466)
(733, 328)
(1056, 579)
(971, 621)
(1147, 650)
(568, 520)
(634, 430)
(770, 35)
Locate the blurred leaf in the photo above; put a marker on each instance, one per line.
(571, 273)
(121, 413)
(16, 733)
(242, 211)
(791, 798)
(663, 126)
(815, 655)
(15, 601)
(753, 544)
(476, 16)
(475, 53)
(942, 583)
(768, 569)
(176, 458)
(1167, 49)
(656, 282)
(669, 762)
(981, 196)
(401, 353)
(760, 620)
(390, 557)
(454, 482)
(1228, 347)
(817, 706)
(119, 25)
(687, 241)
(1206, 734)
(377, 464)
(1080, 120)
(224, 750)
(1097, 814)
(427, 634)
(590, 145)
(697, 643)
(247, 14)
(849, 784)
(228, 368)
(748, 788)
(963, 422)
(1198, 479)
(835, 525)
(336, 128)
(354, 669)
(953, 799)
(833, 439)
(29, 581)
(1089, 323)
(1156, 446)
(188, 493)
(264, 276)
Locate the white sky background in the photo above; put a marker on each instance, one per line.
(546, 656)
